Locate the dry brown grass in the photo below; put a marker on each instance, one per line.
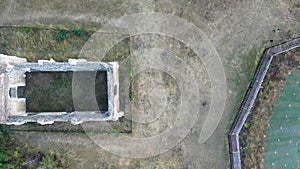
(37, 43)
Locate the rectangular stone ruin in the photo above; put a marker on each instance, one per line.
(46, 91)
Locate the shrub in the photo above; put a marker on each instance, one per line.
(49, 161)
(61, 35)
(2, 159)
(4, 44)
(77, 32)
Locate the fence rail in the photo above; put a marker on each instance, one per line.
(249, 98)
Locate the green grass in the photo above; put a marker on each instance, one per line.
(131, 96)
(25, 29)
(130, 66)
(250, 62)
(241, 81)
(130, 74)
(131, 92)
(244, 76)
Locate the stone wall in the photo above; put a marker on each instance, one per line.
(13, 109)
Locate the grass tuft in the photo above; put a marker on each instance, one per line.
(25, 29)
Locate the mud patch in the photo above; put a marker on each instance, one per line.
(52, 91)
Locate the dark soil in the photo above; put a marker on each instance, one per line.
(52, 91)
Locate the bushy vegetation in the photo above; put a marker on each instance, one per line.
(12, 156)
(2, 157)
(4, 44)
(49, 161)
(77, 32)
(61, 35)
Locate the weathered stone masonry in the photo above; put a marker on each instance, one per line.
(12, 75)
